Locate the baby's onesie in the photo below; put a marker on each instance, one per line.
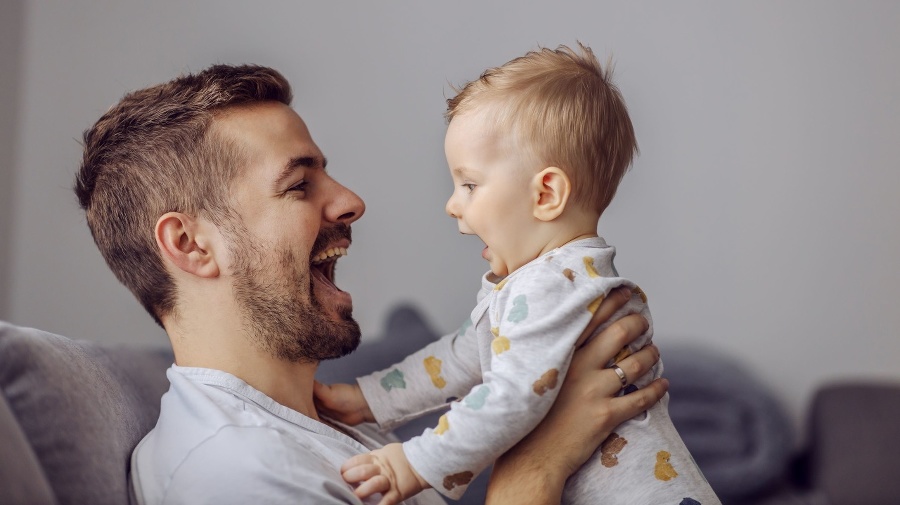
(501, 372)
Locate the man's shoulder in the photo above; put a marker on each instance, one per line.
(236, 450)
(253, 464)
(222, 453)
(246, 464)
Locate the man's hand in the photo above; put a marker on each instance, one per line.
(384, 471)
(342, 402)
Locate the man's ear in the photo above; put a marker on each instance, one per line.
(186, 242)
(551, 189)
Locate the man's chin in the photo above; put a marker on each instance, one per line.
(343, 350)
(347, 333)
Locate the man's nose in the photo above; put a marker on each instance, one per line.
(346, 206)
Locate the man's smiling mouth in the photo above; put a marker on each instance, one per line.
(334, 252)
(330, 245)
(325, 261)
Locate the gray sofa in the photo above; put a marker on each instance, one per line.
(71, 412)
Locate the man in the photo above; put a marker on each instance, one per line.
(210, 201)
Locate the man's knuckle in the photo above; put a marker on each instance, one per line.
(618, 332)
(641, 402)
(633, 369)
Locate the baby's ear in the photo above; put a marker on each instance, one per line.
(187, 243)
(551, 188)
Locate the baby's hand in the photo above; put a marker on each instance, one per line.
(384, 471)
(343, 402)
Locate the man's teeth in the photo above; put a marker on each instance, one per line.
(329, 254)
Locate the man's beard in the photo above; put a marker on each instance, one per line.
(282, 316)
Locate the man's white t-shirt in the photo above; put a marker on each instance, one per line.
(218, 441)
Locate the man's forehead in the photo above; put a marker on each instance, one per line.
(260, 120)
(272, 133)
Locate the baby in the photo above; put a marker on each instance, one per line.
(536, 149)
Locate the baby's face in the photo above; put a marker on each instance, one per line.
(491, 195)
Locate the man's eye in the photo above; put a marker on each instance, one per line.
(300, 186)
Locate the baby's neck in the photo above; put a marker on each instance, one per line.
(554, 242)
(567, 236)
(549, 235)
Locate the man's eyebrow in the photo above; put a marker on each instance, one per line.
(299, 162)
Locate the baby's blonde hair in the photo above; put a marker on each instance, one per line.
(562, 106)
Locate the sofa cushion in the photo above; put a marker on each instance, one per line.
(22, 480)
(855, 439)
(82, 406)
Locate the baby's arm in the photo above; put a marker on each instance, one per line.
(384, 471)
(424, 381)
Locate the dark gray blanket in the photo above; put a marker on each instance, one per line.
(737, 432)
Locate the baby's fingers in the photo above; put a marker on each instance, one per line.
(367, 475)
(376, 484)
(359, 467)
(327, 394)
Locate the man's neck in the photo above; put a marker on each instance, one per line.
(288, 383)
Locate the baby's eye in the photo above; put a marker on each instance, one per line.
(469, 186)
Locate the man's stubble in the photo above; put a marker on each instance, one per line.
(282, 315)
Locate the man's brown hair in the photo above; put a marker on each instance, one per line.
(562, 106)
(154, 152)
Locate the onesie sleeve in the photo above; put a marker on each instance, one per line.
(424, 381)
(536, 317)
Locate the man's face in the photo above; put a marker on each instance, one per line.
(292, 224)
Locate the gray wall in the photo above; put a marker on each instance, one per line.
(761, 216)
(11, 20)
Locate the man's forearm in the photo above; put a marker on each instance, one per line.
(522, 477)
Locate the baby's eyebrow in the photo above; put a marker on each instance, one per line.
(460, 171)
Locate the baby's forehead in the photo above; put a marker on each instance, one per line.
(492, 124)
(489, 130)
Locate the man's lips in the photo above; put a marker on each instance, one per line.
(335, 238)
